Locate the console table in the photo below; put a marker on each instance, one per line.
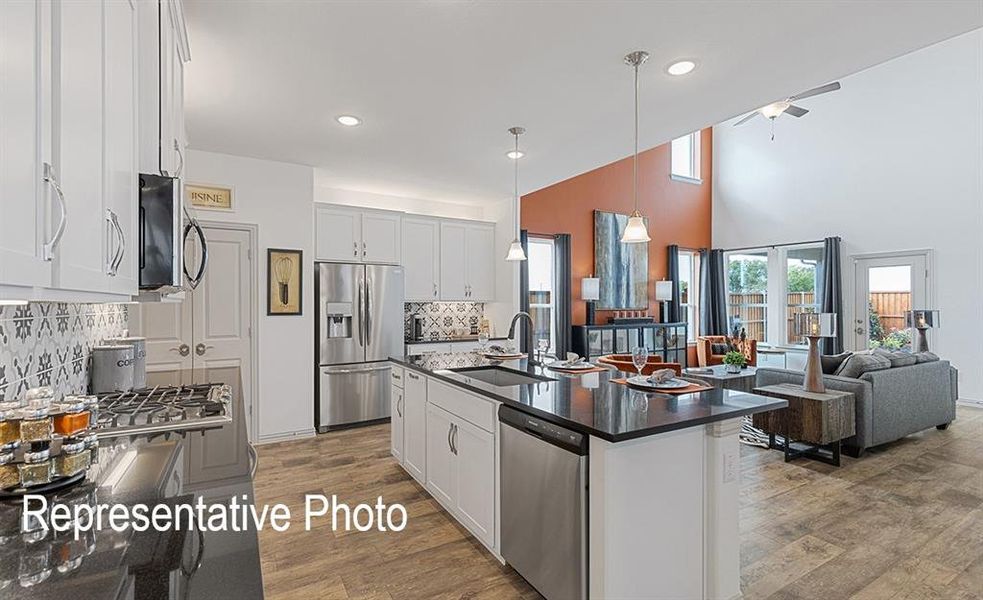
(821, 420)
(667, 340)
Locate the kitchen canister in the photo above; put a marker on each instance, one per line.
(111, 368)
(139, 357)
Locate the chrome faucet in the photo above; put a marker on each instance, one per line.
(529, 348)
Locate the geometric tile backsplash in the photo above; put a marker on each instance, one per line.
(48, 343)
(440, 319)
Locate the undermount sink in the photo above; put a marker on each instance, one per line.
(500, 376)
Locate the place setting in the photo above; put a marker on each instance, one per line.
(574, 365)
(666, 380)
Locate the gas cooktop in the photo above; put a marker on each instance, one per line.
(162, 409)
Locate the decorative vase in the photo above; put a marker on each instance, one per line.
(734, 369)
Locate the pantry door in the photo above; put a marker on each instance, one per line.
(212, 326)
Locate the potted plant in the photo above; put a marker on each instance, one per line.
(734, 361)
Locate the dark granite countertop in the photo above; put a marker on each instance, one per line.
(147, 565)
(451, 340)
(589, 402)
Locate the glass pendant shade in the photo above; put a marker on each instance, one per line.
(635, 231)
(515, 251)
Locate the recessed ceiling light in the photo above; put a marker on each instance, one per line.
(681, 67)
(515, 154)
(349, 120)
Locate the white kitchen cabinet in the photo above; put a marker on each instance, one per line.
(442, 471)
(420, 257)
(474, 497)
(415, 426)
(356, 235)
(26, 200)
(453, 261)
(467, 263)
(396, 425)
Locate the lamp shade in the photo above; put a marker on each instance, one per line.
(663, 290)
(635, 231)
(812, 324)
(922, 318)
(590, 288)
(515, 251)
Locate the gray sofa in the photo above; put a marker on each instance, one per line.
(891, 403)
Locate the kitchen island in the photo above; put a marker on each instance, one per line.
(216, 464)
(662, 470)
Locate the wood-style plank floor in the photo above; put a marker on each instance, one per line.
(903, 522)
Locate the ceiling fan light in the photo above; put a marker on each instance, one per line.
(516, 252)
(635, 230)
(774, 109)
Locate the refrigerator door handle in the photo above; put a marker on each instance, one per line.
(368, 312)
(361, 314)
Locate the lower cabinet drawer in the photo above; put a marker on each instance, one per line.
(396, 376)
(418, 349)
(470, 407)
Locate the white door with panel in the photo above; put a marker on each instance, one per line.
(211, 327)
(421, 259)
(474, 453)
(442, 472)
(886, 287)
(481, 262)
(453, 261)
(415, 426)
(26, 199)
(396, 409)
(338, 235)
(381, 238)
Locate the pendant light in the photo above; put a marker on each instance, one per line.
(516, 252)
(635, 231)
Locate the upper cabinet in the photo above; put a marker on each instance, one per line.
(346, 234)
(467, 261)
(421, 258)
(71, 114)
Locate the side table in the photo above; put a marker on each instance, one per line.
(819, 420)
(718, 377)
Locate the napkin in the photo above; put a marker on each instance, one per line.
(572, 359)
(662, 376)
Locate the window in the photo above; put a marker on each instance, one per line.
(747, 297)
(542, 306)
(684, 153)
(802, 273)
(689, 291)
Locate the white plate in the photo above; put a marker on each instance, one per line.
(502, 356)
(574, 367)
(672, 384)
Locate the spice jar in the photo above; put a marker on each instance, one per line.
(72, 459)
(73, 418)
(36, 469)
(9, 475)
(92, 447)
(9, 425)
(92, 405)
(35, 424)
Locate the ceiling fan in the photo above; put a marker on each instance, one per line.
(773, 110)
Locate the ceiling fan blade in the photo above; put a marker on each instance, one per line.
(747, 118)
(795, 111)
(829, 87)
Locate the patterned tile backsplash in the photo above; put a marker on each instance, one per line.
(442, 318)
(48, 344)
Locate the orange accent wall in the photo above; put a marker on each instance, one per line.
(678, 212)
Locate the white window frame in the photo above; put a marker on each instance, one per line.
(551, 351)
(691, 309)
(694, 176)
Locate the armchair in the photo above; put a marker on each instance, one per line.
(706, 357)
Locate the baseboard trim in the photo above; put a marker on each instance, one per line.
(285, 436)
(970, 402)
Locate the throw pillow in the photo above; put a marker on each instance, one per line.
(858, 364)
(719, 348)
(898, 359)
(832, 362)
(924, 357)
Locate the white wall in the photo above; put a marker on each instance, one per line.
(278, 198)
(417, 206)
(892, 161)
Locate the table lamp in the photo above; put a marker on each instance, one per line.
(922, 319)
(814, 326)
(590, 290)
(663, 295)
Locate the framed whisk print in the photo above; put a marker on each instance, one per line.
(284, 281)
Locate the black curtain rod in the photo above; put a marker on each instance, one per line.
(777, 245)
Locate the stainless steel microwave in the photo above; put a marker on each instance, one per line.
(164, 229)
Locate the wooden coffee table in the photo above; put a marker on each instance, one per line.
(819, 420)
(720, 378)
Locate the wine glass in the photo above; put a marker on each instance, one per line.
(639, 356)
(543, 344)
(483, 340)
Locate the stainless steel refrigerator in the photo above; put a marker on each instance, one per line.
(359, 325)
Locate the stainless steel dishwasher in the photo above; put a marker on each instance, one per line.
(544, 504)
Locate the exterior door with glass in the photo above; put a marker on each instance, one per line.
(886, 288)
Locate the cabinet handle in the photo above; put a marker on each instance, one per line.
(113, 239)
(435, 290)
(413, 376)
(48, 249)
(399, 407)
(180, 155)
(454, 438)
(363, 249)
(122, 244)
(355, 250)
(450, 444)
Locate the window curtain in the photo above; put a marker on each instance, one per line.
(523, 289)
(713, 293)
(561, 289)
(673, 315)
(831, 294)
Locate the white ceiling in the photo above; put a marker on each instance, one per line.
(438, 83)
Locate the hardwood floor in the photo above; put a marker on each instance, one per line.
(903, 522)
